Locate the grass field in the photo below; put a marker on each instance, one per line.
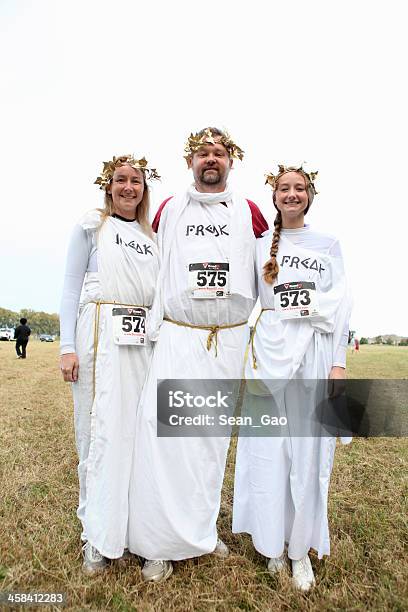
(40, 548)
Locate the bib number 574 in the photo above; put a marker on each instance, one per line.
(135, 324)
(129, 325)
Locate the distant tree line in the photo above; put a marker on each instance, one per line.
(39, 322)
(390, 341)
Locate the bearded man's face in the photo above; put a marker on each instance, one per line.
(211, 165)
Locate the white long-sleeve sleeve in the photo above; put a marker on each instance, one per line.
(81, 257)
(341, 349)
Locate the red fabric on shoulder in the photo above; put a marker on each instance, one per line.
(156, 220)
(259, 223)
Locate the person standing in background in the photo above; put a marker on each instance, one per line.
(355, 344)
(21, 335)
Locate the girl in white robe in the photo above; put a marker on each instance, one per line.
(281, 483)
(105, 352)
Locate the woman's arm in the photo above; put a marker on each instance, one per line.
(77, 263)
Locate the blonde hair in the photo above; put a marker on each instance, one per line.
(142, 210)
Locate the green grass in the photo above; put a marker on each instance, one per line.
(378, 361)
(40, 548)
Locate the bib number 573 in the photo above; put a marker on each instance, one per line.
(295, 297)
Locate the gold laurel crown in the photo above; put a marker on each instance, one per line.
(109, 168)
(195, 142)
(272, 179)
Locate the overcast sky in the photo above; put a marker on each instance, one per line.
(324, 82)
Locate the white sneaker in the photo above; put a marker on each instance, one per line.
(277, 564)
(94, 562)
(303, 577)
(157, 570)
(221, 549)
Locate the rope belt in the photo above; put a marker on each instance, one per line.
(254, 362)
(96, 330)
(213, 329)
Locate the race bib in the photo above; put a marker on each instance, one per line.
(129, 326)
(296, 300)
(208, 280)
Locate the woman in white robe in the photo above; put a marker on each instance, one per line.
(281, 483)
(105, 352)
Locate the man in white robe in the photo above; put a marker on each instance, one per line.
(175, 498)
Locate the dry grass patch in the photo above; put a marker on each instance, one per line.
(40, 548)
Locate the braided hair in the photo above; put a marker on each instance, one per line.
(271, 268)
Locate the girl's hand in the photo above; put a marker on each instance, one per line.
(335, 389)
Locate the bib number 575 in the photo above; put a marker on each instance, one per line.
(212, 278)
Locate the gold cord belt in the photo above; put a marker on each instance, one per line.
(213, 329)
(96, 330)
(251, 341)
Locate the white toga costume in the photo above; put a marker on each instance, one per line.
(282, 483)
(119, 264)
(176, 488)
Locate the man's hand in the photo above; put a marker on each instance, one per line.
(69, 364)
(337, 388)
